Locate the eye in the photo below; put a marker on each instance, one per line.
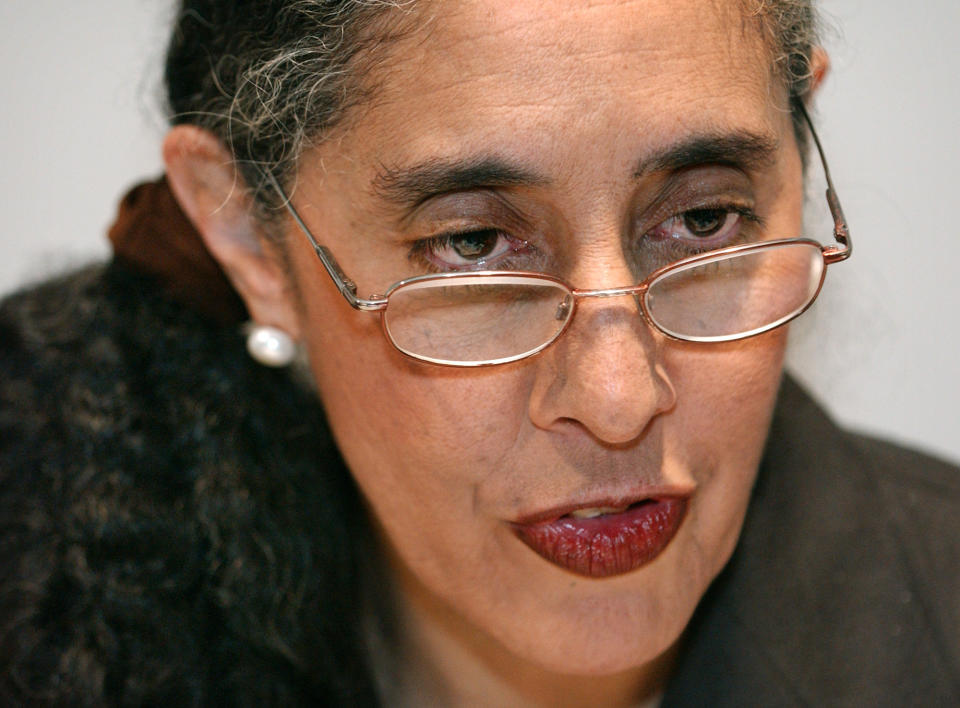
(476, 245)
(705, 228)
(467, 250)
(705, 222)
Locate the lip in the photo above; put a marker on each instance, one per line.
(606, 545)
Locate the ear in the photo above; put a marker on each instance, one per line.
(203, 176)
(819, 68)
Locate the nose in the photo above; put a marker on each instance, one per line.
(605, 374)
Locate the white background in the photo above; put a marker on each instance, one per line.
(81, 121)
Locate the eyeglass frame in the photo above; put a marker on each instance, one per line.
(833, 253)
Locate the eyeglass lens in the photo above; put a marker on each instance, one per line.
(485, 319)
(732, 297)
(480, 319)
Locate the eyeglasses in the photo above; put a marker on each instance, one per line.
(482, 318)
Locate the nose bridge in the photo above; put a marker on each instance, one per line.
(592, 303)
(605, 373)
(603, 267)
(604, 316)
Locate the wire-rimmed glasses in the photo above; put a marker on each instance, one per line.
(482, 318)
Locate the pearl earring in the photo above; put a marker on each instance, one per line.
(270, 346)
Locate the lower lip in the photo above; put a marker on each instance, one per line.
(612, 544)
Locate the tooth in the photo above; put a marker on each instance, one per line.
(594, 511)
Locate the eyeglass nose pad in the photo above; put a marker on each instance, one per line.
(563, 309)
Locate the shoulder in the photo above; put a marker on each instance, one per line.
(913, 477)
(912, 497)
(879, 539)
(162, 505)
(844, 588)
(919, 497)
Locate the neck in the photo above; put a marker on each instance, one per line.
(438, 658)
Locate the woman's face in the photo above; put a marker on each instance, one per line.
(579, 138)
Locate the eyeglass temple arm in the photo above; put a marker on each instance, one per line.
(346, 286)
(841, 232)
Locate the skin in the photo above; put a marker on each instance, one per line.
(579, 93)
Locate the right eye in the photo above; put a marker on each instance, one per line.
(468, 250)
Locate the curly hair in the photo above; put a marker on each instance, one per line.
(177, 526)
(269, 76)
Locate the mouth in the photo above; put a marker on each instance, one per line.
(605, 540)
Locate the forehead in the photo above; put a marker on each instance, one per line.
(514, 41)
(569, 50)
(550, 82)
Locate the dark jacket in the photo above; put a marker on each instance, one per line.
(844, 589)
(176, 526)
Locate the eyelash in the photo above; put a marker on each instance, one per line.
(422, 250)
(744, 212)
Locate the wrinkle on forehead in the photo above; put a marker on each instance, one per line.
(572, 33)
(500, 50)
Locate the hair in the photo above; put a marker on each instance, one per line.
(270, 77)
(267, 77)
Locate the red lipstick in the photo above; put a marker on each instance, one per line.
(604, 540)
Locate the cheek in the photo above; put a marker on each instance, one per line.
(725, 402)
(418, 439)
(389, 413)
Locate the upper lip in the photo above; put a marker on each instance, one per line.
(610, 500)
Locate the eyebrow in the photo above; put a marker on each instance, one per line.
(744, 149)
(413, 185)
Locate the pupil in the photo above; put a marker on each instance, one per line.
(704, 222)
(475, 245)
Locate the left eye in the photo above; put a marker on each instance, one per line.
(701, 228)
(471, 248)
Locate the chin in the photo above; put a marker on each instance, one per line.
(600, 650)
(601, 627)
(603, 660)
